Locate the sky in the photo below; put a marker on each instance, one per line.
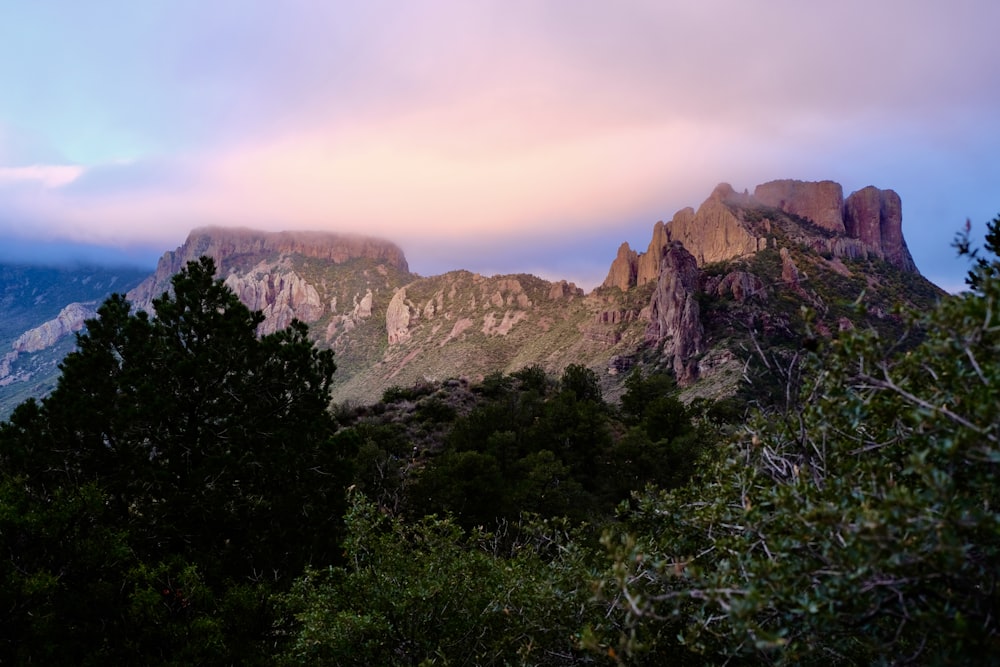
(499, 137)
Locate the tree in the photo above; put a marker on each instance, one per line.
(860, 526)
(204, 449)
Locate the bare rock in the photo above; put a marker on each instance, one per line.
(69, 320)
(740, 285)
(713, 233)
(863, 217)
(789, 271)
(623, 269)
(5, 366)
(875, 218)
(615, 316)
(363, 308)
(565, 290)
(281, 297)
(397, 318)
(822, 202)
(648, 264)
(675, 317)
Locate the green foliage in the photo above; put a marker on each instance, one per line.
(857, 527)
(181, 447)
(525, 447)
(582, 382)
(427, 593)
(395, 393)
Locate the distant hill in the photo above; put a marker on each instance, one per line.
(717, 287)
(40, 308)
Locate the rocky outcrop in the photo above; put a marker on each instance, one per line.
(714, 233)
(675, 317)
(565, 290)
(875, 218)
(789, 271)
(739, 285)
(822, 202)
(70, 320)
(5, 368)
(231, 246)
(397, 318)
(361, 311)
(623, 268)
(281, 297)
(729, 225)
(648, 264)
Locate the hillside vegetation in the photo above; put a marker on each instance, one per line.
(185, 496)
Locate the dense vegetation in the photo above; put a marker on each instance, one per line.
(186, 497)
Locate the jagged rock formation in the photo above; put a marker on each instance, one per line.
(397, 318)
(260, 268)
(648, 264)
(713, 233)
(281, 297)
(674, 312)
(624, 268)
(868, 223)
(813, 217)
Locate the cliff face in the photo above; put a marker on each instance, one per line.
(281, 297)
(822, 202)
(714, 233)
(231, 247)
(875, 217)
(674, 314)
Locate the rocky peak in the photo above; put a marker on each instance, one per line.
(623, 269)
(867, 224)
(713, 233)
(674, 314)
(875, 217)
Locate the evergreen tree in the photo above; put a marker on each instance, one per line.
(195, 449)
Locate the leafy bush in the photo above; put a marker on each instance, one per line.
(425, 592)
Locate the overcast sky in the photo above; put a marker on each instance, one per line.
(500, 136)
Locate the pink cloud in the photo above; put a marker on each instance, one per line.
(49, 176)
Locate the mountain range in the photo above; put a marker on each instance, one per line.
(744, 277)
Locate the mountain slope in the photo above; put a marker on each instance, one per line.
(40, 308)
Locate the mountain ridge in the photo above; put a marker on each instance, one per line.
(790, 243)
